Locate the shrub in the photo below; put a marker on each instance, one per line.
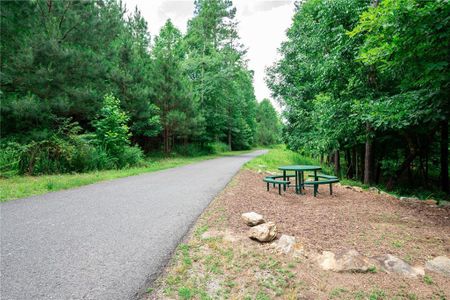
(63, 151)
(111, 129)
(191, 150)
(217, 147)
(10, 153)
(130, 156)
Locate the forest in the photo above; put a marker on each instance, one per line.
(365, 88)
(85, 87)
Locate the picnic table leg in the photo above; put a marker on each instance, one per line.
(303, 181)
(279, 189)
(300, 179)
(331, 189)
(267, 186)
(296, 183)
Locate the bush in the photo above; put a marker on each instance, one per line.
(63, 151)
(111, 129)
(217, 147)
(10, 153)
(191, 150)
(130, 156)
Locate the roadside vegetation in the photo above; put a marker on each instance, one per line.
(24, 186)
(70, 106)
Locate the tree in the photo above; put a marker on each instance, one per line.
(111, 129)
(171, 88)
(218, 71)
(268, 124)
(407, 42)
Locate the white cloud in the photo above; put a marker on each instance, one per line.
(262, 27)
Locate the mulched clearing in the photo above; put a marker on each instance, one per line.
(371, 223)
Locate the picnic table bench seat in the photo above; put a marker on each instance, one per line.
(323, 179)
(274, 180)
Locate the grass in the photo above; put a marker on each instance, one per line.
(279, 156)
(24, 186)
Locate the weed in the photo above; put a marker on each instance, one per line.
(201, 230)
(408, 258)
(373, 269)
(377, 294)
(262, 296)
(337, 292)
(397, 244)
(185, 293)
(427, 279)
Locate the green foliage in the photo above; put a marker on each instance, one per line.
(279, 156)
(60, 58)
(357, 76)
(111, 129)
(218, 72)
(268, 130)
(185, 293)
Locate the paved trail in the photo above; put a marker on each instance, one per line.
(105, 240)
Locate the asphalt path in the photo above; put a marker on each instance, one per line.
(106, 240)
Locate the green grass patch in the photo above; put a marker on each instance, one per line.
(24, 186)
(280, 156)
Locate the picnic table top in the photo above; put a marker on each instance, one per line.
(300, 168)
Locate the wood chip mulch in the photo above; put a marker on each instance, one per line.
(371, 223)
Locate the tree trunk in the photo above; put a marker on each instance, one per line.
(355, 164)
(166, 140)
(348, 159)
(444, 157)
(229, 139)
(404, 166)
(368, 157)
(337, 163)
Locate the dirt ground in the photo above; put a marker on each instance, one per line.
(231, 266)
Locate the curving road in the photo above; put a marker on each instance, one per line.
(106, 240)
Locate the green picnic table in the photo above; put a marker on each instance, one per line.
(299, 175)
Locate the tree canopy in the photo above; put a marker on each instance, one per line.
(369, 79)
(92, 66)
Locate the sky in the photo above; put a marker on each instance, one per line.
(262, 27)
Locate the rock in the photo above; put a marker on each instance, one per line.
(444, 203)
(347, 261)
(285, 244)
(374, 190)
(264, 232)
(392, 264)
(439, 264)
(430, 202)
(252, 218)
(327, 260)
(358, 189)
(409, 199)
